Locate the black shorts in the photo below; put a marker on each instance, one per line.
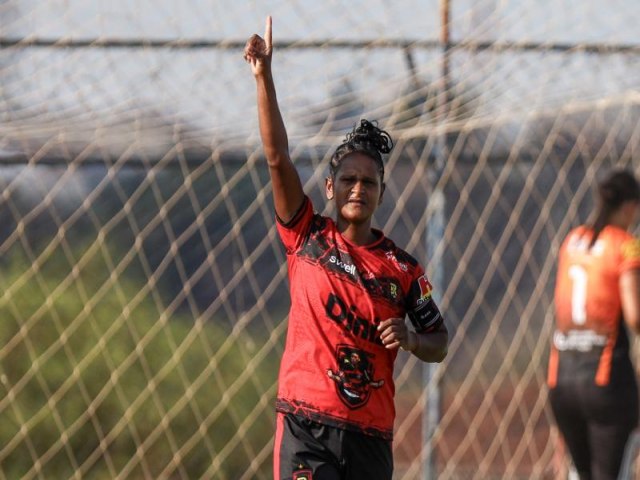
(596, 423)
(306, 450)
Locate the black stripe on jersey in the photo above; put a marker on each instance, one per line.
(296, 216)
(320, 250)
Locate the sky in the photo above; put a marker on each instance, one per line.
(152, 93)
(561, 21)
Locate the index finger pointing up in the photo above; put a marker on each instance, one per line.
(267, 32)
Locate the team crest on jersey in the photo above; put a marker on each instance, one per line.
(393, 290)
(355, 376)
(631, 250)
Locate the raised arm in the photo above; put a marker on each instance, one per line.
(287, 188)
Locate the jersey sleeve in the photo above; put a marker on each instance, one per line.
(630, 254)
(422, 310)
(294, 232)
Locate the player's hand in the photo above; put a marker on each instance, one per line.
(395, 334)
(258, 50)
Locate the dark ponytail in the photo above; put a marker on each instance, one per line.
(365, 138)
(618, 187)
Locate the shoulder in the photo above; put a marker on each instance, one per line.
(305, 214)
(404, 256)
(305, 226)
(630, 249)
(581, 233)
(617, 234)
(396, 254)
(620, 238)
(623, 244)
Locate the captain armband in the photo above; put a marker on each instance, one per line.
(426, 317)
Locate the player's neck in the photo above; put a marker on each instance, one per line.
(358, 234)
(621, 219)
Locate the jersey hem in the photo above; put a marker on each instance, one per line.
(306, 411)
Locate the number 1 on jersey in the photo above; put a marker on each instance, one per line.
(578, 277)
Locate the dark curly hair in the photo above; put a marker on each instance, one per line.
(365, 138)
(618, 187)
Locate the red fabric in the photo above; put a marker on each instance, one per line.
(277, 445)
(334, 368)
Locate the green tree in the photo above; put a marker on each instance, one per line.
(97, 377)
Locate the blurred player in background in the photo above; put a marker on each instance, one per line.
(593, 390)
(350, 289)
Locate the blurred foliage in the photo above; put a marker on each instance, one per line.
(99, 378)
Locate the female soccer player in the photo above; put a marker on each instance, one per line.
(350, 289)
(593, 390)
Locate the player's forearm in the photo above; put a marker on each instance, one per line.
(272, 130)
(287, 188)
(431, 347)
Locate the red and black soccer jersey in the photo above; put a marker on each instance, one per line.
(590, 342)
(335, 369)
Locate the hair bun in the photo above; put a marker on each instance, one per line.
(366, 138)
(368, 132)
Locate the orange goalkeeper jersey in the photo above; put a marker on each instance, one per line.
(590, 341)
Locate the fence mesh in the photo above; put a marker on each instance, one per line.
(144, 295)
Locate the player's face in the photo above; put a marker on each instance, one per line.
(356, 189)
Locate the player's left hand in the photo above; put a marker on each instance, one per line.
(395, 334)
